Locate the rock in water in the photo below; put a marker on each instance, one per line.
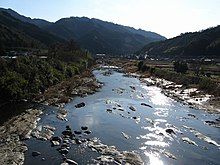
(63, 151)
(187, 140)
(55, 143)
(36, 153)
(69, 161)
(80, 105)
(67, 132)
(77, 132)
(170, 131)
(169, 155)
(84, 128)
(147, 105)
(64, 163)
(87, 132)
(109, 110)
(125, 135)
(56, 138)
(132, 108)
(132, 87)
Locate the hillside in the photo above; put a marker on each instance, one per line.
(102, 37)
(95, 35)
(38, 22)
(205, 43)
(15, 33)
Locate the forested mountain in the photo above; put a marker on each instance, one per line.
(102, 37)
(38, 22)
(15, 33)
(200, 44)
(95, 35)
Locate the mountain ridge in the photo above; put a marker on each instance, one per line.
(203, 43)
(108, 37)
(28, 34)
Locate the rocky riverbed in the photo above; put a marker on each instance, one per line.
(191, 96)
(187, 95)
(24, 126)
(12, 134)
(64, 92)
(127, 122)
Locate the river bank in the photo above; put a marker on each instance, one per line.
(62, 93)
(21, 127)
(191, 96)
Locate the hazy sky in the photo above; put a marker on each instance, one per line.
(166, 17)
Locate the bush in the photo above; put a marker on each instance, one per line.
(13, 86)
(180, 66)
(25, 77)
(140, 64)
(208, 85)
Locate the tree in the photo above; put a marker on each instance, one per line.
(180, 66)
(140, 64)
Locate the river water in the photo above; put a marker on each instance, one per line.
(142, 131)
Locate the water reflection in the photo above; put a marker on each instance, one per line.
(157, 143)
(88, 120)
(154, 158)
(156, 96)
(161, 112)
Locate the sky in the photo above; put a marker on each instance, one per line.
(166, 17)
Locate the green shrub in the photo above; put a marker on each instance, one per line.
(180, 66)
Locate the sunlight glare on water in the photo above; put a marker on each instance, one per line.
(156, 97)
(154, 158)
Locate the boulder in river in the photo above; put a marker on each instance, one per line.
(125, 135)
(77, 132)
(147, 105)
(56, 138)
(35, 153)
(170, 131)
(87, 132)
(84, 128)
(80, 105)
(70, 161)
(64, 151)
(191, 115)
(132, 87)
(67, 132)
(109, 110)
(132, 108)
(64, 163)
(215, 123)
(187, 140)
(43, 132)
(55, 143)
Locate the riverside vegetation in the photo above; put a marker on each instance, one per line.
(27, 76)
(180, 75)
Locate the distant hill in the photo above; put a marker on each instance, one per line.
(95, 35)
(200, 44)
(102, 37)
(38, 22)
(15, 33)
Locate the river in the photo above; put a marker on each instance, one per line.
(161, 131)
